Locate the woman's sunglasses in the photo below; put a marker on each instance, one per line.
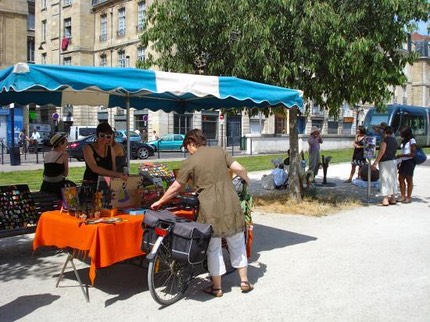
(105, 136)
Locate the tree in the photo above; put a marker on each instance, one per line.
(336, 51)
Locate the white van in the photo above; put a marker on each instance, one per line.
(79, 132)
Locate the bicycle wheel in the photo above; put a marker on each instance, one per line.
(167, 278)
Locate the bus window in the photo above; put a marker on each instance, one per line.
(415, 121)
(395, 122)
(373, 119)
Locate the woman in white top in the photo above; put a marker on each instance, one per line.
(407, 166)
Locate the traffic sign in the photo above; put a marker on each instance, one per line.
(55, 116)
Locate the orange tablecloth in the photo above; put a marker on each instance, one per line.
(106, 244)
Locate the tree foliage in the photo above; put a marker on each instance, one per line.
(335, 51)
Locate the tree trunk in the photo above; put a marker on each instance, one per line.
(295, 181)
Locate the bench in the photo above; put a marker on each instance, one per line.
(20, 209)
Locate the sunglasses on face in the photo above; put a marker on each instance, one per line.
(105, 136)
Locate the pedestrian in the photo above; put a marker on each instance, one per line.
(154, 135)
(358, 159)
(386, 161)
(379, 129)
(144, 135)
(208, 168)
(34, 139)
(314, 141)
(22, 141)
(100, 157)
(407, 165)
(56, 166)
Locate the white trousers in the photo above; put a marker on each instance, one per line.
(388, 178)
(236, 248)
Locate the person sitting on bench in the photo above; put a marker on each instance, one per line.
(56, 166)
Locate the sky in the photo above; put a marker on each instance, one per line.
(422, 28)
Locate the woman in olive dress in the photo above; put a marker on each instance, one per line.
(208, 168)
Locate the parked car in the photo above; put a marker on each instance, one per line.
(121, 136)
(138, 150)
(169, 142)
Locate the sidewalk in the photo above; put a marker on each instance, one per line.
(32, 161)
(367, 264)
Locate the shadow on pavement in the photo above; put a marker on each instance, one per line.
(25, 305)
(17, 260)
(268, 238)
(122, 280)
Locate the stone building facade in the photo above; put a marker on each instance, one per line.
(106, 33)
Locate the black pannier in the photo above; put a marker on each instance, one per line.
(190, 240)
(150, 221)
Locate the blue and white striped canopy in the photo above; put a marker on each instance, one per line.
(137, 88)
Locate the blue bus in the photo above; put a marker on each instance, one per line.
(396, 116)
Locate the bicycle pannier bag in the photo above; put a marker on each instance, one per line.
(420, 156)
(150, 221)
(190, 241)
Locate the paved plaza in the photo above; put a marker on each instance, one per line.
(367, 264)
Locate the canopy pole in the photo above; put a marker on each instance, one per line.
(127, 107)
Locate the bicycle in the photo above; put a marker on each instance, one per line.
(168, 278)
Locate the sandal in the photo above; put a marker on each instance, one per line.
(246, 287)
(216, 292)
(382, 204)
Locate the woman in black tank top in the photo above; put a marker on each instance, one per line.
(99, 157)
(56, 166)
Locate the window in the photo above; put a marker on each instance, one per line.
(416, 120)
(121, 22)
(43, 35)
(103, 27)
(405, 95)
(209, 126)
(43, 4)
(140, 16)
(30, 21)
(103, 60)
(67, 61)
(68, 28)
(422, 48)
(182, 123)
(395, 95)
(122, 60)
(281, 125)
(140, 54)
(30, 49)
(67, 3)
